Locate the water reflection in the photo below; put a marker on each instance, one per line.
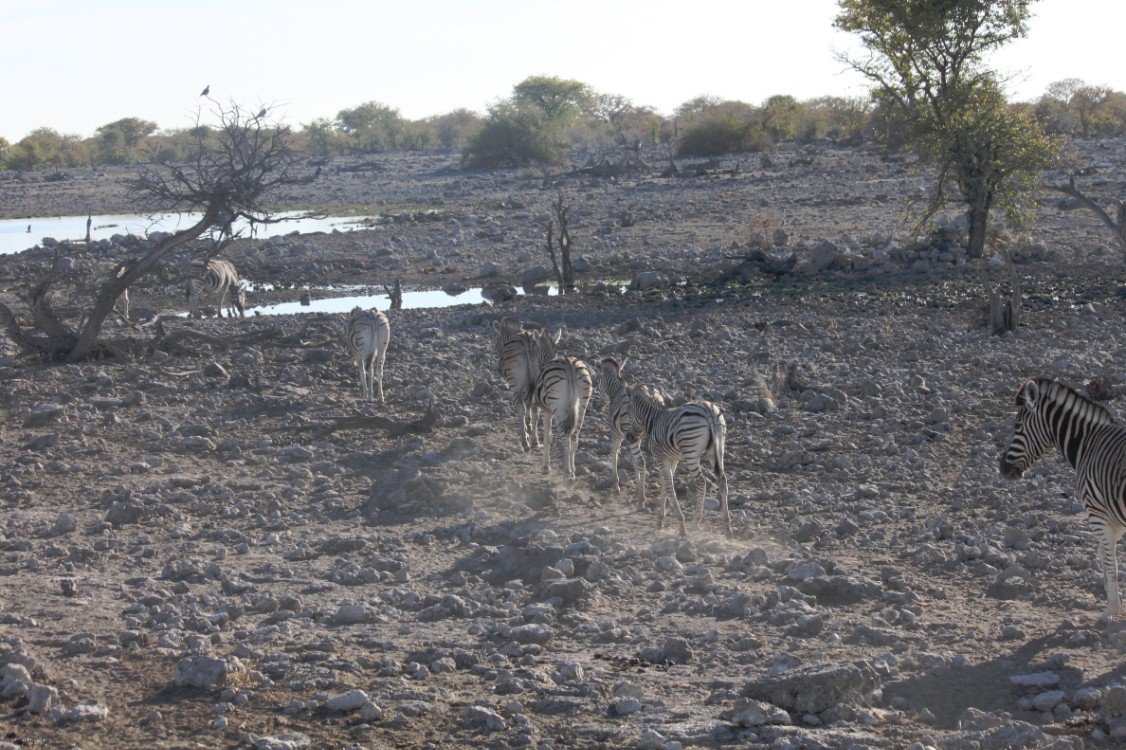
(411, 300)
(15, 237)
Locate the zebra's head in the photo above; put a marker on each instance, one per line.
(1031, 431)
(239, 293)
(608, 372)
(547, 344)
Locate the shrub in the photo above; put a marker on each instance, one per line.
(712, 135)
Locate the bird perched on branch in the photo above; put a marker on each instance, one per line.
(206, 90)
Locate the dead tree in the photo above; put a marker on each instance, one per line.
(395, 294)
(1117, 225)
(1004, 315)
(564, 272)
(229, 176)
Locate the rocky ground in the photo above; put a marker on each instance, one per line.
(199, 550)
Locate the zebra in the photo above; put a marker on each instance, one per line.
(367, 333)
(611, 390)
(1050, 413)
(521, 354)
(562, 391)
(689, 433)
(220, 276)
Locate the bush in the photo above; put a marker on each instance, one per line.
(512, 137)
(712, 135)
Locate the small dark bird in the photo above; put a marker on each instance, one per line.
(206, 90)
(261, 113)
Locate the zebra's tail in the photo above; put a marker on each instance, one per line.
(719, 439)
(572, 417)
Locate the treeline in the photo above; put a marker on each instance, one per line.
(545, 117)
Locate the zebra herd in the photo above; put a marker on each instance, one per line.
(561, 387)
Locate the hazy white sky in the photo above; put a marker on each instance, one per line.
(73, 65)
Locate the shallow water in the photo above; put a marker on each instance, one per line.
(14, 234)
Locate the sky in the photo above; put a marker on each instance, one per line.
(74, 65)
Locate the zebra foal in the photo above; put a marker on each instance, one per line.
(562, 392)
(1049, 414)
(367, 333)
(219, 276)
(521, 355)
(690, 433)
(612, 391)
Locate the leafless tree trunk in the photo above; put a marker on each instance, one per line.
(1117, 225)
(564, 273)
(1004, 316)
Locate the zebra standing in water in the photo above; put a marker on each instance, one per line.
(612, 391)
(219, 276)
(689, 433)
(1050, 413)
(521, 355)
(367, 333)
(562, 391)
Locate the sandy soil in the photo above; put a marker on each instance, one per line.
(199, 550)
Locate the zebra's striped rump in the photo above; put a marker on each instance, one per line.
(521, 354)
(692, 433)
(367, 333)
(217, 276)
(562, 391)
(1050, 413)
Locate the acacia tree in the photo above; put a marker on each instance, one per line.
(228, 177)
(935, 93)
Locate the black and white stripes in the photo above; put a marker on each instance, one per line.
(1049, 414)
(219, 276)
(366, 334)
(692, 433)
(562, 391)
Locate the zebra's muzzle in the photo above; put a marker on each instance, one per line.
(1010, 471)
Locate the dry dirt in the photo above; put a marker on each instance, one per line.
(182, 512)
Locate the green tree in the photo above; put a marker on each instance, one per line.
(372, 127)
(928, 74)
(117, 141)
(627, 122)
(560, 101)
(4, 148)
(781, 116)
(322, 139)
(454, 129)
(512, 136)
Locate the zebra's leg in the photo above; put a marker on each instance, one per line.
(364, 394)
(1108, 555)
(526, 423)
(721, 484)
(697, 474)
(670, 477)
(379, 373)
(642, 476)
(223, 303)
(615, 448)
(573, 448)
(547, 417)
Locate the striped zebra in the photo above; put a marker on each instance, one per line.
(562, 391)
(220, 276)
(367, 333)
(612, 391)
(521, 354)
(689, 433)
(1050, 413)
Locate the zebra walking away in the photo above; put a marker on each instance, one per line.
(690, 433)
(1050, 413)
(521, 356)
(612, 391)
(219, 277)
(562, 391)
(367, 333)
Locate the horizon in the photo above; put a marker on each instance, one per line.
(447, 56)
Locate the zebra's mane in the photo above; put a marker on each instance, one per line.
(1060, 393)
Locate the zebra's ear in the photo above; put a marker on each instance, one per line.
(1030, 394)
(558, 335)
(497, 325)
